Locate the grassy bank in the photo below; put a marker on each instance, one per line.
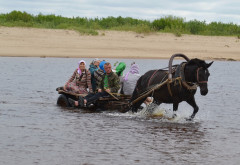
(89, 26)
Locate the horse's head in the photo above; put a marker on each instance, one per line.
(198, 73)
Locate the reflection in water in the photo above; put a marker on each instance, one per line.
(178, 140)
(35, 131)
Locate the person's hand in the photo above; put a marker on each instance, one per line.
(64, 87)
(108, 90)
(99, 90)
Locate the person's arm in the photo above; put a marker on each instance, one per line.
(97, 75)
(92, 70)
(70, 80)
(89, 84)
(72, 77)
(116, 86)
(100, 85)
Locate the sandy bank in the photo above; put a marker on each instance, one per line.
(30, 42)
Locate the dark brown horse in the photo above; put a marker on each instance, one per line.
(186, 77)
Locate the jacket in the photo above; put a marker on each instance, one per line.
(84, 82)
(113, 82)
(130, 83)
(92, 69)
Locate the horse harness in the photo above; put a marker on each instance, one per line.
(179, 78)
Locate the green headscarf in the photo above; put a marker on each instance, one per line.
(120, 68)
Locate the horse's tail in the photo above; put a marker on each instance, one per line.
(133, 104)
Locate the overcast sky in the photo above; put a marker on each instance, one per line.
(227, 11)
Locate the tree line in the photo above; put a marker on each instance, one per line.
(90, 26)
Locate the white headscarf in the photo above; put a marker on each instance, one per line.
(79, 70)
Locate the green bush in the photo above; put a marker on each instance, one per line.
(168, 23)
(195, 27)
(172, 24)
(18, 16)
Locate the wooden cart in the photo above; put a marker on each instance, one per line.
(116, 102)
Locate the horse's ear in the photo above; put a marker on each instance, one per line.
(208, 65)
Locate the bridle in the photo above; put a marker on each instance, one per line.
(200, 82)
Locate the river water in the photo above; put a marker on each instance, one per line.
(34, 130)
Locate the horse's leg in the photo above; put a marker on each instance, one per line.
(192, 102)
(156, 102)
(137, 105)
(151, 107)
(175, 108)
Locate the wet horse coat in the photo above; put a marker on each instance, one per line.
(186, 77)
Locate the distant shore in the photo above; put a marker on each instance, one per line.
(32, 42)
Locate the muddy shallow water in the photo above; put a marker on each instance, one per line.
(34, 130)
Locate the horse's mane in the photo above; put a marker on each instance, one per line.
(198, 62)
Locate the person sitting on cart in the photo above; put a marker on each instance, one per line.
(120, 68)
(130, 79)
(93, 67)
(80, 80)
(129, 82)
(119, 71)
(98, 75)
(108, 85)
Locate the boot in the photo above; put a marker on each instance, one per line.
(80, 102)
(71, 102)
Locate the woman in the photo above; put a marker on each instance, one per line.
(80, 80)
(130, 79)
(129, 82)
(93, 67)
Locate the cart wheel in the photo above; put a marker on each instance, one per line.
(63, 101)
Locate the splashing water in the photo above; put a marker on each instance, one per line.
(156, 112)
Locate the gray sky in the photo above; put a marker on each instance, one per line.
(226, 11)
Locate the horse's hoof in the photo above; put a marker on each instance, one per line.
(141, 107)
(174, 115)
(189, 119)
(134, 110)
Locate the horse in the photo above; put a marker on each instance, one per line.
(186, 77)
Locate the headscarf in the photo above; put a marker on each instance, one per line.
(101, 65)
(120, 68)
(95, 59)
(79, 70)
(134, 70)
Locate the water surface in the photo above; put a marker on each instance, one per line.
(34, 130)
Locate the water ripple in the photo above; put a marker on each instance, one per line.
(36, 131)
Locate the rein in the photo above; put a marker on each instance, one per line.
(151, 78)
(149, 81)
(180, 77)
(186, 84)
